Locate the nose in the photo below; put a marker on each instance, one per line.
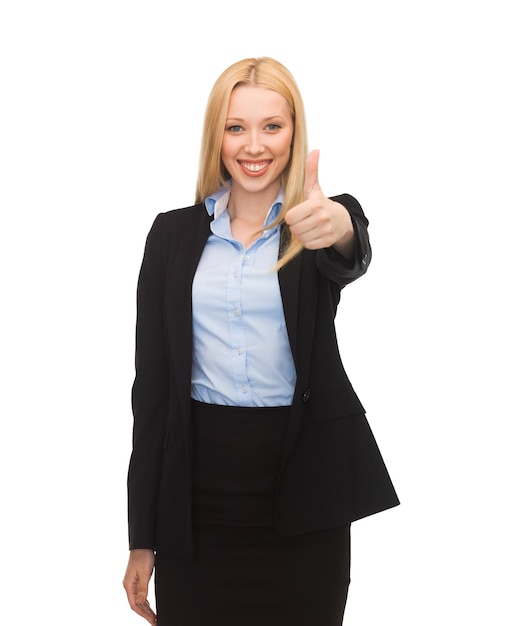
(254, 144)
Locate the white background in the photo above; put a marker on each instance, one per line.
(101, 114)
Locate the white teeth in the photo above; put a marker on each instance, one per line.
(255, 167)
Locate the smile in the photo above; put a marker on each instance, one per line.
(255, 167)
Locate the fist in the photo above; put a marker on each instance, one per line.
(318, 222)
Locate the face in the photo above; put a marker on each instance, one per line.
(256, 145)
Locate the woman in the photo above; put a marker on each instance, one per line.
(251, 451)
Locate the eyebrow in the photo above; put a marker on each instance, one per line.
(266, 119)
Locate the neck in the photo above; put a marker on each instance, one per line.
(247, 213)
(250, 207)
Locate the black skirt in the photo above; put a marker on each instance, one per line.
(244, 573)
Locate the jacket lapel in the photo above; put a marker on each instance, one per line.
(180, 274)
(288, 278)
(298, 291)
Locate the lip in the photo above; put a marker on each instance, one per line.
(254, 168)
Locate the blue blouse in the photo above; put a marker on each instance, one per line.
(241, 354)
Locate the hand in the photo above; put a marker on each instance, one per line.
(318, 222)
(138, 574)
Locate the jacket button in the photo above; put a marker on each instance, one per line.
(306, 395)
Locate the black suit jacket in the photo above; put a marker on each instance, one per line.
(332, 472)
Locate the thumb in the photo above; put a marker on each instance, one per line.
(312, 174)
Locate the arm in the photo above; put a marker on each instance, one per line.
(336, 266)
(149, 406)
(149, 395)
(336, 227)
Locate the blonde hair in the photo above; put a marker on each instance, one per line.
(255, 72)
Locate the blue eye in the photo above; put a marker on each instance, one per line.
(273, 127)
(234, 129)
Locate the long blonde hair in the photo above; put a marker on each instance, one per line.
(256, 72)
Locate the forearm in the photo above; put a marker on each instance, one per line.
(345, 268)
(345, 241)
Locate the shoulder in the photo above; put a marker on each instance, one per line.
(177, 222)
(171, 227)
(186, 215)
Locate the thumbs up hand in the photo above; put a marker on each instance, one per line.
(318, 222)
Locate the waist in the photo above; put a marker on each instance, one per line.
(237, 454)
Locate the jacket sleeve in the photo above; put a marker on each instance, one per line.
(335, 266)
(149, 395)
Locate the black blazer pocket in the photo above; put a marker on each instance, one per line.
(326, 406)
